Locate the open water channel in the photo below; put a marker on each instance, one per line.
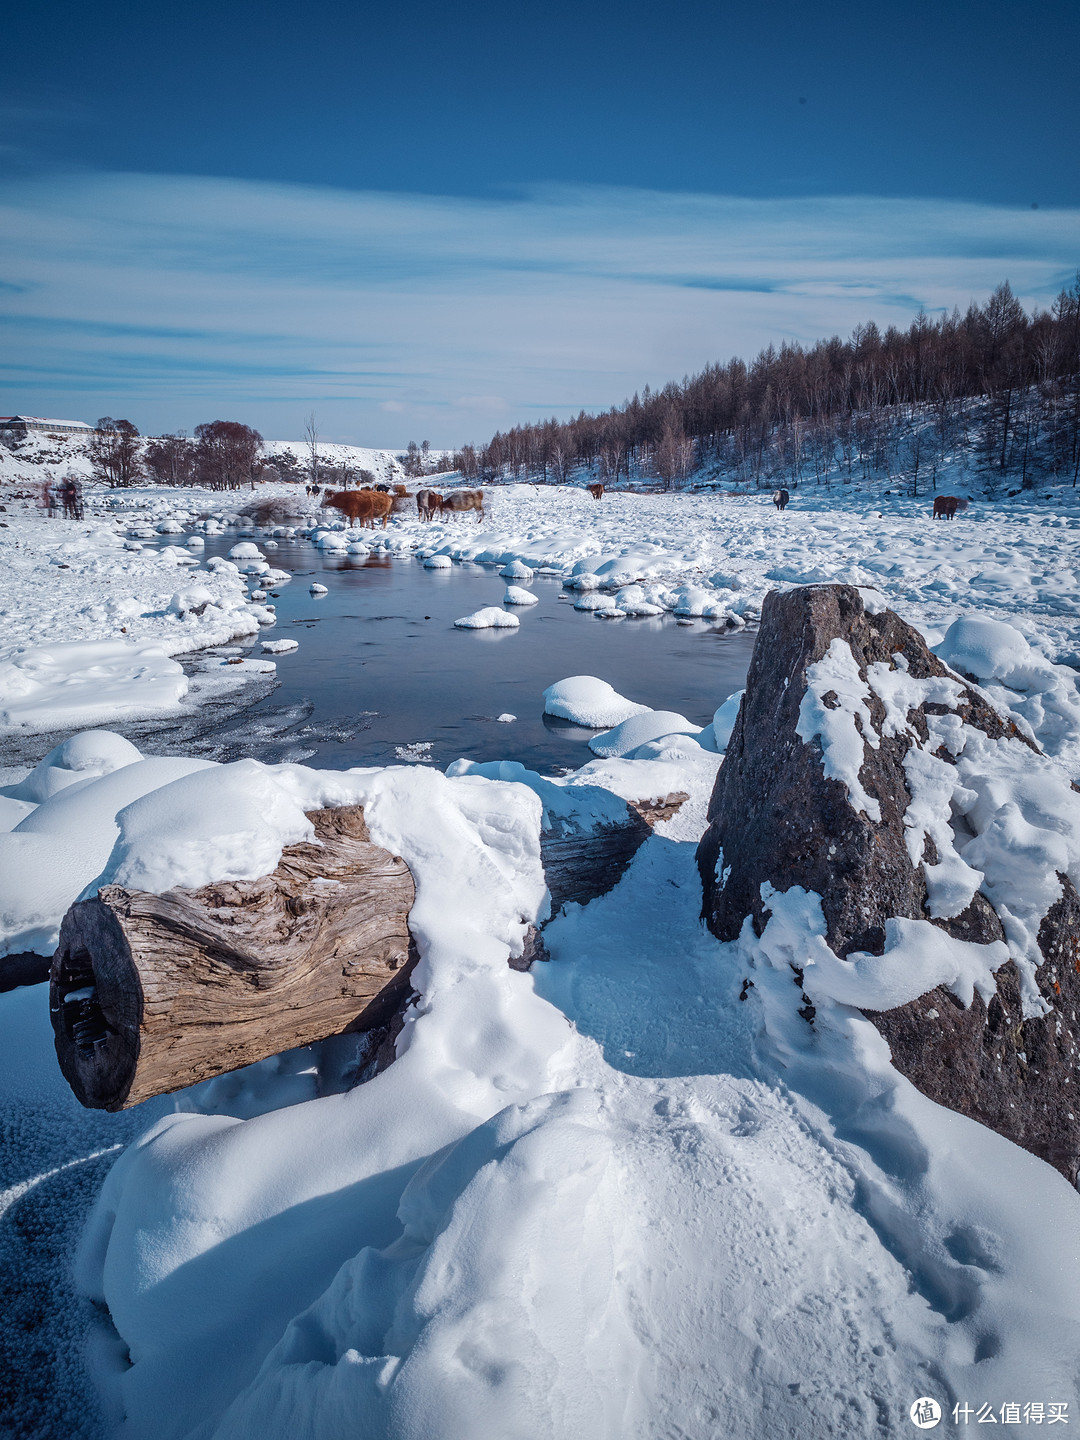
(381, 674)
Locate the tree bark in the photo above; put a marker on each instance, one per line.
(150, 993)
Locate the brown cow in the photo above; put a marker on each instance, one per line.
(596, 491)
(362, 507)
(946, 506)
(458, 501)
(428, 502)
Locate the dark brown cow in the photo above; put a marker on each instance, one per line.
(946, 506)
(428, 502)
(460, 501)
(362, 507)
(596, 491)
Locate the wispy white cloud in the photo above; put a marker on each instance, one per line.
(178, 299)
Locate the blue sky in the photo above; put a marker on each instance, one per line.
(426, 222)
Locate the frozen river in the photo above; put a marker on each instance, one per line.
(381, 670)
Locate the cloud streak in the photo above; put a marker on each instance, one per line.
(179, 299)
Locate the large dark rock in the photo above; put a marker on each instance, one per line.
(776, 817)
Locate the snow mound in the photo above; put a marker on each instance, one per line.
(626, 737)
(438, 562)
(515, 595)
(316, 589)
(279, 647)
(588, 701)
(81, 757)
(516, 570)
(245, 550)
(491, 617)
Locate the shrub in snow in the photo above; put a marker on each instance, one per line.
(515, 595)
(588, 701)
(489, 618)
(516, 570)
(625, 738)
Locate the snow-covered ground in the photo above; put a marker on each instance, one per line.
(605, 1198)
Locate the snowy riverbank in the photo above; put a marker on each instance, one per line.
(89, 583)
(609, 1197)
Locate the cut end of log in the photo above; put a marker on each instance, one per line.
(152, 993)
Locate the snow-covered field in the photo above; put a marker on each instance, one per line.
(603, 1198)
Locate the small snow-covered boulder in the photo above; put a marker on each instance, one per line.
(515, 595)
(505, 719)
(316, 589)
(357, 547)
(195, 542)
(245, 551)
(638, 730)
(191, 602)
(170, 527)
(438, 562)
(590, 702)
(490, 618)
(594, 601)
(516, 570)
(279, 647)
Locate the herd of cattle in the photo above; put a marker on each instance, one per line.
(368, 507)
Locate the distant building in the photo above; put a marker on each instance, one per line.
(24, 425)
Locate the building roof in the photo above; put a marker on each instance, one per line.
(39, 420)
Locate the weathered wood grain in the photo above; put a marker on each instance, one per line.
(150, 993)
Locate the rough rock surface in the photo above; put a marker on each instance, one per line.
(776, 817)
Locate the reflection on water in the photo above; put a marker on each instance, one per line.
(380, 666)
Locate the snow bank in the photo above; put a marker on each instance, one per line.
(61, 847)
(588, 701)
(68, 686)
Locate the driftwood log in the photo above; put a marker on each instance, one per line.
(151, 993)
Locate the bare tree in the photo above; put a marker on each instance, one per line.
(114, 452)
(226, 454)
(171, 459)
(311, 440)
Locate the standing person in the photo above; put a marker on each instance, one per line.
(69, 498)
(48, 498)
